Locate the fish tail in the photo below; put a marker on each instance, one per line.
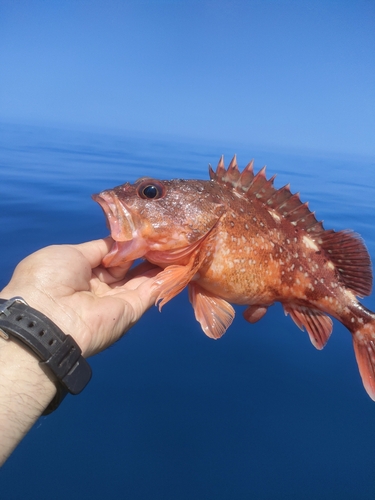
(364, 348)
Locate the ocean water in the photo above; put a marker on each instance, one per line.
(169, 413)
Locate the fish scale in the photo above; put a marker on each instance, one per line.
(237, 239)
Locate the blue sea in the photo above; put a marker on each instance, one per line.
(170, 413)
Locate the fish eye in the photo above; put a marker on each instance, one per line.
(150, 190)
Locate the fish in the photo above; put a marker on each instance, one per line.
(237, 239)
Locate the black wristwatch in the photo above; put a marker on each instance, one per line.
(58, 352)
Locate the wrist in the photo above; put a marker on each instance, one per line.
(25, 391)
(21, 366)
(60, 315)
(58, 353)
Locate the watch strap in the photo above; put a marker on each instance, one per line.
(58, 352)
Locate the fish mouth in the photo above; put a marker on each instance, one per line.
(119, 219)
(128, 245)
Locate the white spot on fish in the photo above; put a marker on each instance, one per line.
(274, 215)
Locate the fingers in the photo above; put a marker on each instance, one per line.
(112, 275)
(143, 269)
(138, 293)
(94, 251)
(118, 276)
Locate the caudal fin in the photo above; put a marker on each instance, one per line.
(364, 348)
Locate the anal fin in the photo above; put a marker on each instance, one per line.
(317, 324)
(214, 314)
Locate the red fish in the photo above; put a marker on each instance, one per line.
(237, 239)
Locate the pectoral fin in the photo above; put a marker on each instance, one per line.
(213, 313)
(171, 282)
(174, 278)
(317, 324)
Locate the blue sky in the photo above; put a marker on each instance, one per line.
(290, 74)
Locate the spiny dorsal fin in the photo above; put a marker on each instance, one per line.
(229, 176)
(233, 173)
(257, 186)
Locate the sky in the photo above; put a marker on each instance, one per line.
(286, 74)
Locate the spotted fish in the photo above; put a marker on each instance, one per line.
(237, 239)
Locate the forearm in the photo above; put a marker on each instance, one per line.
(25, 391)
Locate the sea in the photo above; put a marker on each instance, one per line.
(170, 413)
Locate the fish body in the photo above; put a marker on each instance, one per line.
(237, 239)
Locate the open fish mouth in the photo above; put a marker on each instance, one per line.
(128, 245)
(119, 219)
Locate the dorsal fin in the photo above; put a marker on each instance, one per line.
(257, 186)
(233, 173)
(247, 174)
(228, 176)
(349, 254)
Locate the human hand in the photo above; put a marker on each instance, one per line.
(94, 305)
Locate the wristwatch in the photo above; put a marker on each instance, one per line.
(58, 353)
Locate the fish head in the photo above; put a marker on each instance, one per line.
(157, 216)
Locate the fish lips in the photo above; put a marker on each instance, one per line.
(127, 245)
(119, 219)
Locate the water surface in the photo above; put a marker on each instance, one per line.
(170, 413)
